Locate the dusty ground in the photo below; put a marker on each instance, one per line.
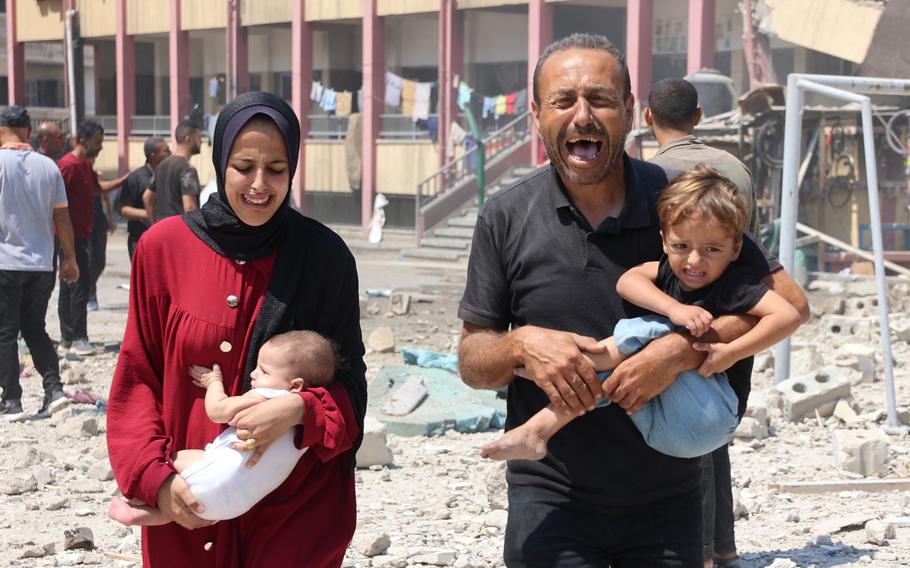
(439, 504)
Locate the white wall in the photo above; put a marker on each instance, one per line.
(492, 37)
(412, 41)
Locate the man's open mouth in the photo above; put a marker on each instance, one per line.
(584, 148)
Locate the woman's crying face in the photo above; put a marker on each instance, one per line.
(257, 177)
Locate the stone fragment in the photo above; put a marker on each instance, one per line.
(496, 518)
(101, 471)
(406, 397)
(804, 359)
(878, 532)
(374, 544)
(468, 561)
(838, 523)
(845, 412)
(54, 503)
(78, 538)
(832, 305)
(495, 481)
(863, 452)
(758, 408)
(17, 485)
(900, 329)
(445, 557)
(374, 450)
(857, 356)
(750, 428)
(400, 303)
(803, 395)
(382, 340)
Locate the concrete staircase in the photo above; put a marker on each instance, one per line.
(451, 239)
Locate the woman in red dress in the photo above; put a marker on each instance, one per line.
(211, 287)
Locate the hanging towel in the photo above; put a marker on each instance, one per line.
(464, 94)
(489, 105)
(213, 87)
(316, 92)
(521, 101)
(392, 89)
(328, 99)
(408, 89)
(510, 103)
(343, 101)
(359, 100)
(456, 137)
(500, 105)
(422, 101)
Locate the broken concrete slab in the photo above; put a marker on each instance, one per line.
(863, 452)
(382, 340)
(804, 395)
(374, 450)
(449, 405)
(837, 485)
(406, 397)
(837, 524)
(858, 356)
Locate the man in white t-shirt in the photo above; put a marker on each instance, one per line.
(32, 202)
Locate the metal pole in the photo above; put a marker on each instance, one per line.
(789, 204)
(893, 426)
(71, 71)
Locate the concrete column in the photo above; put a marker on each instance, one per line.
(540, 35)
(125, 48)
(373, 97)
(701, 35)
(451, 64)
(15, 58)
(178, 57)
(236, 57)
(301, 79)
(639, 42)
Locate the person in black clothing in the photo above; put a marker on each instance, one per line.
(546, 256)
(129, 202)
(176, 189)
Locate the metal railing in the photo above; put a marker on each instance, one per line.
(154, 125)
(107, 121)
(462, 169)
(327, 126)
(403, 127)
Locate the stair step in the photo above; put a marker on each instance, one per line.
(466, 221)
(454, 232)
(432, 254)
(446, 243)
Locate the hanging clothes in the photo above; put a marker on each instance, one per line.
(213, 87)
(510, 103)
(464, 95)
(456, 137)
(521, 101)
(407, 97)
(393, 89)
(343, 102)
(359, 100)
(500, 105)
(316, 92)
(328, 100)
(422, 101)
(489, 106)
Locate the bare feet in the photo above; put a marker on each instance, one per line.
(521, 443)
(129, 514)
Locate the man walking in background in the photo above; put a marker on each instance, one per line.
(129, 202)
(48, 140)
(81, 184)
(175, 190)
(32, 201)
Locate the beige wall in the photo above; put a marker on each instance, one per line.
(318, 10)
(98, 18)
(466, 4)
(203, 14)
(396, 7)
(265, 12)
(144, 17)
(325, 167)
(39, 21)
(400, 166)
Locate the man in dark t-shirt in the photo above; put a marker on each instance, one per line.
(175, 189)
(129, 202)
(546, 255)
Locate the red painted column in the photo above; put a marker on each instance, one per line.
(178, 56)
(639, 43)
(15, 58)
(540, 35)
(236, 57)
(301, 79)
(373, 97)
(126, 87)
(451, 41)
(243, 59)
(700, 52)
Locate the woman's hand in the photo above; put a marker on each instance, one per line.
(203, 376)
(265, 423)
(177, 502)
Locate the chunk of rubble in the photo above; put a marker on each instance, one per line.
(863, 452)
(78, 538)
(382, 340)
(374, 450)
(804, 395)
(878, 532)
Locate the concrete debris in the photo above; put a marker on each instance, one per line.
(382, 340)
(878, 532)
(849, 329)
(374, 450)
(859, 357)
(78, 538)
(750, 428)
(783, 563)
(400, 303)
(864, 453)
(804, 395)
(373, 544)
(435, 558)
(18, 485)
(840, 523)
(845, 412)
(406, 397)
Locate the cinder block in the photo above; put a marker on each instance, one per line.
(848, 329)
(373, 450)
(863, 306)
(857, 356)
(863, 452)
(802, 395)
(862, 287)
(900, 329)
(834, 305)
(758, 408)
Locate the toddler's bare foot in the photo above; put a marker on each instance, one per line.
(522, 443)
(129, 514)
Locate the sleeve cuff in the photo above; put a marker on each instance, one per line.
(313, 421)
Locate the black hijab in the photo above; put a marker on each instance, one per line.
(293, 298)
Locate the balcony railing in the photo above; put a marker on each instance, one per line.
(153, 125)
(327, 127)
(404, 127)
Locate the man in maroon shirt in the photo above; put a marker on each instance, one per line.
(81, 184)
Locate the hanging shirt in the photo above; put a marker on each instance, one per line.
(521, 101)
(343, 102)
(316, 92)
(464, 94)
(213, 87)
(392, 89)
(489, 105)
(328, 100)
(500, 105)
(407, 97)
(510, 103)
(422, 101)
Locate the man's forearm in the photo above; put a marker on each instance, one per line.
(148, 199)
(190, 203)
(485, 360)
(678, 346)
(65, 231)
(133, 213)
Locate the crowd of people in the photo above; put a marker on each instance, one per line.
(616, 448)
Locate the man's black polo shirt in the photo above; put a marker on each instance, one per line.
(136, 183)
(535, 260)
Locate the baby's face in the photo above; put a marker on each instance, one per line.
(272, 370)
(699, 250)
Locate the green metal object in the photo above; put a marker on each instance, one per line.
(481, 154)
